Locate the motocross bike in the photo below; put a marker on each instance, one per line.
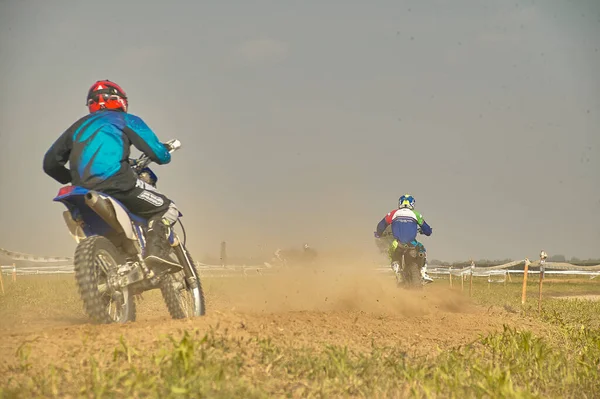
(294, 257)
(407, 269)
(109, 266)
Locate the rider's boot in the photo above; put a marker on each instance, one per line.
(158, 254)
(425, 276)
(396, 268)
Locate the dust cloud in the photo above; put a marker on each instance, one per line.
(336, 288)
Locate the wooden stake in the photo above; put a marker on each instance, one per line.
(462, 282)
(471, 284)
(524, 294)
(450, 276)
(1, 281)
(14, 273)
(543, 257)
(541, 282)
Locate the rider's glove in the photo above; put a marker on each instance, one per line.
(376, 234)
(172, 145)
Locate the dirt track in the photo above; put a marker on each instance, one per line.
(337, 306)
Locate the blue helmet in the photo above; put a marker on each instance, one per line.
(406, 201)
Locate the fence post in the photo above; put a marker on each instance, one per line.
(543, 257)
(471, 279)
(223, 254)
(450, 275)
(14, 273)
(1, 281)
(525, 270)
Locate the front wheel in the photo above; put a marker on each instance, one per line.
(182, 291)
(96, 263)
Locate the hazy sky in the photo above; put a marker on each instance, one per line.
(305, 121)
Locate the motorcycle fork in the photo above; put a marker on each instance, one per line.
(140, 232)
(188, 270)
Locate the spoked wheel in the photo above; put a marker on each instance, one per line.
(397, 268)
(96, 263)
(183, 296)
(408, 274)
(412, 273)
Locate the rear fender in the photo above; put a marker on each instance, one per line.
(73, 197)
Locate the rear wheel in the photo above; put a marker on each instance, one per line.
(397, 268)
(412, 275)
(96, 264)
(183, 296)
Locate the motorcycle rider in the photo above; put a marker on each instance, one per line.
(97, 147)
(405, 222)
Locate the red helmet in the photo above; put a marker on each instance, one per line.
(105, 94)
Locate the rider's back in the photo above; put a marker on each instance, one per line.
(404, 223)
(99, 146)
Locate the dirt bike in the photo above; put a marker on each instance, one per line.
(109, 266)
(407, 270)
(284, 258)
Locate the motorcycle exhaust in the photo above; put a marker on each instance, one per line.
(104, 209)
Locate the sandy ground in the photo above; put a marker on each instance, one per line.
(310, 307)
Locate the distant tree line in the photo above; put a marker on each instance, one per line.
(574, 260)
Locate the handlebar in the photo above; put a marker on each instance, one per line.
(143, 161)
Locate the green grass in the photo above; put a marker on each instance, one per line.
(513, 363)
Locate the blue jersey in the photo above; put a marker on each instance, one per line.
(97, 148)
(405, 223)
